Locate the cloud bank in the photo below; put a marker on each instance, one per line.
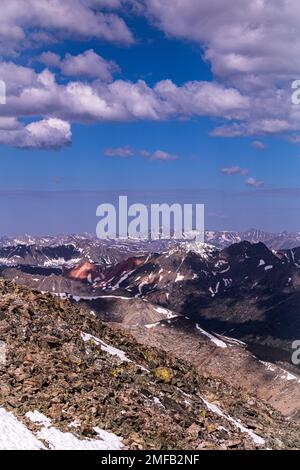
(252, 48)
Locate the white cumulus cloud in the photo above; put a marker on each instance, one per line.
(45, 134)
(254, 182)
(88, 64)
(234, 170)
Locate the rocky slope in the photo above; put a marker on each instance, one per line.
(87, 378)
(226, 359)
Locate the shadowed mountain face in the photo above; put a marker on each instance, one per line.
(244, 290)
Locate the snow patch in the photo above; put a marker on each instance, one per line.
(213, 338)
(179, 277)
(267, 268)
(38, 418)
(164, 311)
(157, 401)
(105, 347)
(58, 440)
(216, 410)
(15, 436)
(281, 373)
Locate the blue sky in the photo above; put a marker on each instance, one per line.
(208, 133)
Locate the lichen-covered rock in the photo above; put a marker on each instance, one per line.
(163, 373)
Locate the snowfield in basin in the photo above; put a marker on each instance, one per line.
(14, 435)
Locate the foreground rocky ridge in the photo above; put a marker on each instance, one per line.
(73, 368)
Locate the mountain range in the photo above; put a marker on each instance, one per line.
(220, 239)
